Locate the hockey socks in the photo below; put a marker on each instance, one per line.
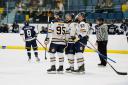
(80, 59)
(71, 59)
(29, 55)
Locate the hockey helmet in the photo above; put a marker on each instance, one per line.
(69, 17)
(26, 23)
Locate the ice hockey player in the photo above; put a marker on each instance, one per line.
(124, 27)
(83, 31)
(112, 28)
(70, 37)
(56, 34)
(29, 35)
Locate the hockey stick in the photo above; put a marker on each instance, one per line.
(103, 56)
(43, 47)
(46, 53)
(46, 37)
(119, 73)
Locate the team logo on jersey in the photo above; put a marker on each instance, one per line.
(81, 48)
(82, 25)
(53, 50)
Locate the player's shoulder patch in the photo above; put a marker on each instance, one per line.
(82, 24)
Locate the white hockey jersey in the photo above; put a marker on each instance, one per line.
(83, 29)
(57, 32)
(71, 31)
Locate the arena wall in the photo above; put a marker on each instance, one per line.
(116, 43)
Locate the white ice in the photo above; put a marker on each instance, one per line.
(15, 70)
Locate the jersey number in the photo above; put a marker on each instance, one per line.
(60, 30)
(29, 33)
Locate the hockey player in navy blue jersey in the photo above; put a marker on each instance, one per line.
(29, 35)
(124, 27)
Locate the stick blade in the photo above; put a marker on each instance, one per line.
(122, 73)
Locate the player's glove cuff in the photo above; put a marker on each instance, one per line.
(73, 37)
(47, 39)
(87, 37)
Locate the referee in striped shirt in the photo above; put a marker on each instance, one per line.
(102, 39)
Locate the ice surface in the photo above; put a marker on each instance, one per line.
(15, 70)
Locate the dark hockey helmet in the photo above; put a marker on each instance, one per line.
(26, 23)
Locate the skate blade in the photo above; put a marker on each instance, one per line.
(38, 61)
(29, 61)
(52, 72)
(68, 71)
(78, 73)
(60, 72)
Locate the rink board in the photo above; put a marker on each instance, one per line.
(42, 49)
(116, 43)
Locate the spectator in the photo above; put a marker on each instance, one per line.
(125, 9)
(109, 6)
(100, 6)
(1, 28)
(59, 6)
(1, 12)
(34, 4)
(15, 27)
(44, 30)
(4, 28)
(20, 6)
(97, 8)
(100, 1)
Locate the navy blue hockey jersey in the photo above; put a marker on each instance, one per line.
(29, 32)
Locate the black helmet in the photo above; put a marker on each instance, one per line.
(26, 23)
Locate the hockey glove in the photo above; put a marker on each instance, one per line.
(86, 37)
(46, 41)
(127, 34)
(73, 38)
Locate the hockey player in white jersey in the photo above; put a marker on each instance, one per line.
(70, 37)
(83, 36)
(57, 36)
